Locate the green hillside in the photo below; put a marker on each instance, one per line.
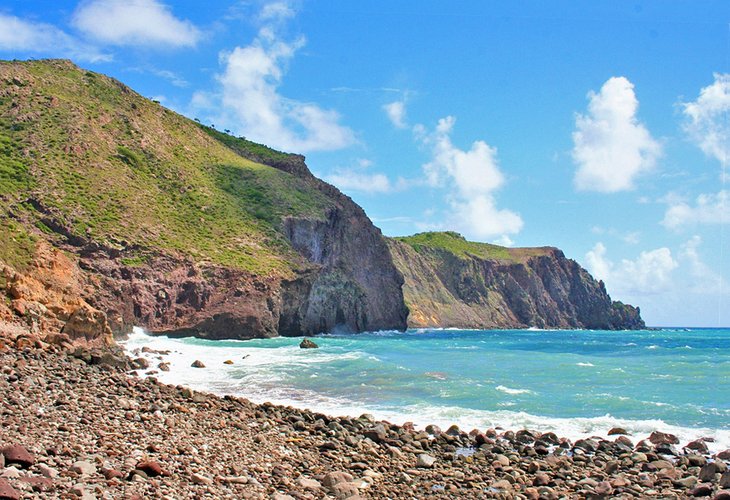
(84, 157)
(457, 245)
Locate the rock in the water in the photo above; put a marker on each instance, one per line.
(228, 362)
(658, 437)
(308, 344)
(198, 364)
(16, 454)
(617, 431)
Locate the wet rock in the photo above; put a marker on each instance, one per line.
(17, 454)
(658, 437)
(308, 344)
(198, 364)
(617, 431)
(228, 362)
(699, 446)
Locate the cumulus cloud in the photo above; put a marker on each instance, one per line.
(472, 176)
(708, 119)
(709, 209)
(650, 273)
(396, 112)
(611, 147)
(250, 103)
(134, 22)
(19, 35)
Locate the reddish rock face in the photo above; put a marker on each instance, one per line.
(17, 454)
(8, 492)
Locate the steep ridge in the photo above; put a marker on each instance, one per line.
(450, 282)
(171, 225)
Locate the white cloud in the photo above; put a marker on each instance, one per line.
(708, 119)
(249, 101)
(396, 112)
(611, 147)
(360, 179)
(650, 273)
(473, 176)
(709, 209)
(19, 35)
(134, 22)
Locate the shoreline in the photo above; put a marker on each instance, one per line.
(97, 431)
(216, 378)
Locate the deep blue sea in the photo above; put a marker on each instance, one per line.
(575, 383)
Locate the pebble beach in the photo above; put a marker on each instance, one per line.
(80, 423)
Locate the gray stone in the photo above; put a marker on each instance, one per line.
(83, 468)
(425, 461)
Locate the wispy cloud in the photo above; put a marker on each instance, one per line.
(22, 36)
(708, 119)
(611, 147)
(147, 23)
(396, 112)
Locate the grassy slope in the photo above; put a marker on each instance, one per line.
(115, 167)
(457, 245)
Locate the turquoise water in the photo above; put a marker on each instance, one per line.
(572, 382)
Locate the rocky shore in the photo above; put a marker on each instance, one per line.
(77, 423)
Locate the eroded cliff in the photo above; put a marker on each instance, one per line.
(172, 225)
(450, 282)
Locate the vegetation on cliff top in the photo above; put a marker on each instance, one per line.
(457, 245)
(84, 157)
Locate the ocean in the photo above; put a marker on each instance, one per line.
(576, 383)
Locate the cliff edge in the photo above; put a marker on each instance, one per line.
(451, 282)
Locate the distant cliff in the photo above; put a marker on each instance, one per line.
(451, 282)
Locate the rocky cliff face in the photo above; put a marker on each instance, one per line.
(517, 288)
(173, 226)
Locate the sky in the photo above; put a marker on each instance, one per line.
(601, 128)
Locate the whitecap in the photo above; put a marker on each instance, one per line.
(509, 390)
(585, 364)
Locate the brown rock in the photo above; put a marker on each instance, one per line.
(724, 480)
(658, 437)
(723, 455)
(7, 492)
(701, 490)
(332, 478)
(722, 495)
(603, 488)
(228, 362)
(699, 446)
(16, 454)
(308, 344)
(152, 469)
(198, 364)
(617, 431)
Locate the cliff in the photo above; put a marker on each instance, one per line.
(170, 225)
(117, 212)
(451, 282)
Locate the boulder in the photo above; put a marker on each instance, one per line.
(7, 492)
(308, 344)
(17, 454)
(198, 364)
(658, 437)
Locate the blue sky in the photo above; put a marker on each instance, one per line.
(602, 128)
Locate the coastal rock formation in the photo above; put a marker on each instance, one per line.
(450, 282)
(117, 212)
(172, 225)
